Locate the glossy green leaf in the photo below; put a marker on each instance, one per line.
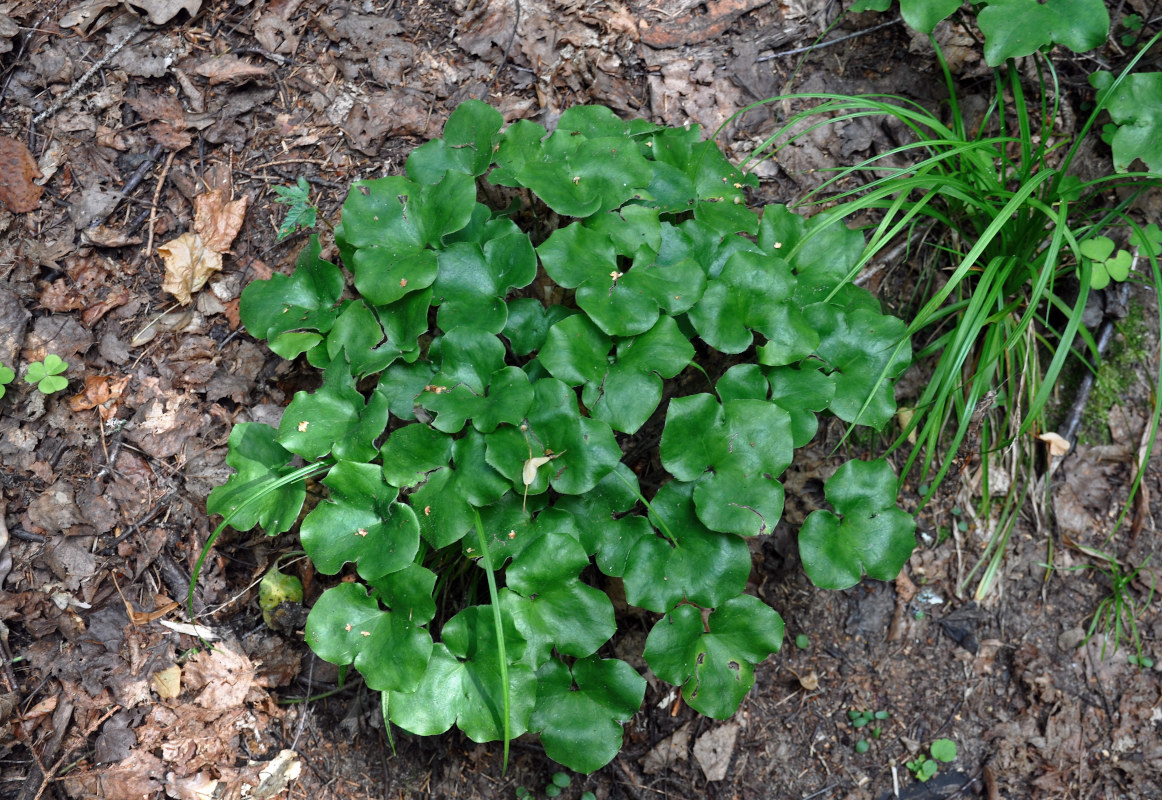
(704, 567)
(506, 400)
(362, 524)
(1136, 109)
(559, 610)
(1016, 28)
(714, 661)
(292, 311)
(859, 348)
(333, 417)
(577, 176)
(529, 323)
(802, 392)
(754, 293)
(745, 445)
(514, 147)
(579, 711)
(408, 592)
(348, 626)
(444, 503)
(411, 452)
(923, 15)
(258, 460)
(388, 225)
(473, 281)
(598, 519)
(466, 146)
(869, 535)
(462, 684)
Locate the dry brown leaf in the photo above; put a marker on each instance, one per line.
(168, 682)
(217, 221)
(58, 296)
(230, 68)
(102, 392)
(115, 298)
(162, 11)
(188, 265)
(158, 107)
(18, 171)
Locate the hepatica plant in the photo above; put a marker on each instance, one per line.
(594, 380)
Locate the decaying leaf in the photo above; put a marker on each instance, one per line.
(102, 392)
(18, 171)
(194, 256)
(230, 68)
(188, 265)
(162, 11)
(218, 221)
(168, 682)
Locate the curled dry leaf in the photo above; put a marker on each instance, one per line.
(188, 265)
(193, 257)
(230, 68)
(102, 392)
(18, 173)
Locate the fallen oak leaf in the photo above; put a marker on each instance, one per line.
(189, 263)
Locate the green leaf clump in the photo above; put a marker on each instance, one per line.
(501, 377)
(48, 375)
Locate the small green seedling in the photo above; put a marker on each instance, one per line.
(46, 375)
(924, 767)
(6, 376)
(1133, 24)
(802, 641)
(560, 781)
(1145, 662)
(301, 213)
(862, 719)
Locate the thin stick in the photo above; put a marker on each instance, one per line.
(156, 196)
(80, 83)
(829, 42)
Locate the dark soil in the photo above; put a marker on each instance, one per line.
(103, 486)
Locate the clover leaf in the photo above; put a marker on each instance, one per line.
(714, 661)
(46, 375)
(6, 377)
(869, 534)
(579, 710)
(1107, 265)
(1148, 239)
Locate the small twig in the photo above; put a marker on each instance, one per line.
(80, 82)
(134, 181)
(829, 42)
(156, 197)
(306, 706)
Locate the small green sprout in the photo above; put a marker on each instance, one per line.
(6, 376)
(46, 375)
(802, 641)
(924, 767)
(301, 213)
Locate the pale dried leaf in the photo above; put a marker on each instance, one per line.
(162, 11)
(189, 263)
(217, 221)
(168, 682)
(713, 750)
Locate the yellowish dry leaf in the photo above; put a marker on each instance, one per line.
(1058, 445)
(189, 263)
(217, 221)
(168, 682)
